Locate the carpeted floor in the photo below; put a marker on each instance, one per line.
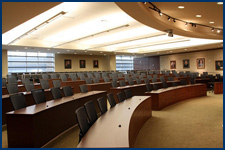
(194, 123)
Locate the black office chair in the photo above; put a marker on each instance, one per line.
(114, 78)
(120, 97)
(183, 82)
(18, 101)
(91, 112)
(73, 77)
(88, 80)
(44, 84)
(154, 80)
(83, 88)
(63, 77)
(26, 81)
(128, 93)
(44, 76)
(53, 76)
(3, 82)
(12, 88)
(96, 80)
(122, 83)
(106, 79)
(102, 105)
(192, 80)
(12, 80)
(162, 79)
(170, 78)
(164, 84)
(131, 81)
(38, 95)
(138, 81)
(82, 121)
(148, 87)
(155, 87)
(146, 80)
(56, 83)
(114, 84)
(29, 86)
(111, 100)
(174, 83)
(68, 91)
(56, 93)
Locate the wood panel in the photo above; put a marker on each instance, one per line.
(145, 63)
(218, 87)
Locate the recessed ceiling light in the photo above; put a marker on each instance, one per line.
(68, 50)
(211, 22)
(199, 16)
(181, 7)
(218, 31)
(220, 3)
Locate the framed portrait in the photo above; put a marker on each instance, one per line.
(186, 63)
(95, 63)
(82, 64)
(67, 63)
(200, 63)
(173, 64)
(219, 64)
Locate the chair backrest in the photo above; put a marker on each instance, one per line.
(122, 83)
(170, 78)
(183, 82)
(29, 86)
(157, 72)
(162, 79)
(151, 72)
(91, 112)
(12, 88)
(114, 78)
(120, 75)
(192, 80)
(96, 80)
(155, 76)
(114, 84)
(82, 121)
(149, 76)
(163, 72)
(67, 90)
(128, 93)
(56, 83)
(120, 97)
(174, 83)
(104, 74)
(111, 99)
(106, 79)
(138, 81)
(44, 84)
(44, 76)
(154, 80)
(83, 88)
(63, 77)
(131, 81)
(146, 80)
(149, 87)
(164, 84)
(18, 101)
(205, 73)
(73, 77)
(155, 87)
(38, 95)
(217, 76)
(53, 76)
(56, 93)
(82, 77)
(102, 105)
(12, 80)
(3, 81)
(26, 81)
(88, 80)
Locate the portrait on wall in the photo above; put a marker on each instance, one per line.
(172, 64)
(82, 64)
(219, 64)
(95, 63)
(201, 63)
(186, 63)
(67, 63)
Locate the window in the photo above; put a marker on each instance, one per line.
(124, 63)
(31, 62)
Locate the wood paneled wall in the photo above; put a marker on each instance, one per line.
(143, 63)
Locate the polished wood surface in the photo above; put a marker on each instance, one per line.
(218, 87)
(21, 88)
(36, 125)
(182, 78)
(104, 86)
(119, 126)
(74, 84)
(164, 97)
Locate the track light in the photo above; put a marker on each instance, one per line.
(168, 18)
(218, 31)
(170, 32)
(186, 24)
(212, 29)
(195, 26)
(174, 20)
(145, 2)
(160, 14)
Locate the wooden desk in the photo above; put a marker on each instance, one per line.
(106, 133)
(36, 125)
(105, 86)
(74, 84)
(164, 97)
(21, 88)
(182, 78)
(218, 87)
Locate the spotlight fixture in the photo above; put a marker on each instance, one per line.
(186, 23)
(170, 32)
(218, 31)
(160, 13)
(220, 3)
(145, 2)
(212, 29)
(38, 26)
(174, 20)
(168, 18)
(195, 25)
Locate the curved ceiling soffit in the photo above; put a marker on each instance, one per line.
(148, 17)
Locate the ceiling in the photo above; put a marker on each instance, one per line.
(103, 28)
